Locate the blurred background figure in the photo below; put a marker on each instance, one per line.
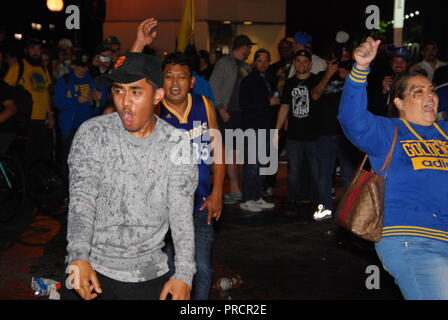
(3, 63)
(102, 60)
(205, 65)
(400, 60)
(226, 79)
(61, 65)
(114, 43)
(429, 63)
(35, 79)
(303, 41)
(77, 100)
(256, 99)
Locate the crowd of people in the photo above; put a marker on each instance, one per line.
(299, 96)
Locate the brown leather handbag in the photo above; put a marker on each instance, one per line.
(361, 208)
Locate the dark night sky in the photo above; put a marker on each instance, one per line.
(321, 18)
(17, 16)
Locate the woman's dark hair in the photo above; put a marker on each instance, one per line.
(179, 59)
(398, 89)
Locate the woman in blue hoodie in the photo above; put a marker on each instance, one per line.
(414, 244)
(76, 100)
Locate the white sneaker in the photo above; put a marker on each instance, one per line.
(322, 214)
(262, 204)
(250, 206)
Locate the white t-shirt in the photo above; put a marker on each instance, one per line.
(428, 68)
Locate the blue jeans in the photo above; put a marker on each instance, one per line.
(251, 182)
(298, 152)
(418, 265)
(329, 149)
(203, 236)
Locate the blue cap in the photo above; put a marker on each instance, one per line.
(401, 53)
(302, 37)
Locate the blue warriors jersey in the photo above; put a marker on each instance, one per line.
(195, 122)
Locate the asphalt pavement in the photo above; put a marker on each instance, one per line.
(276, 257)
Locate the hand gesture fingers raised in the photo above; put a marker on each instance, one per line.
(366, 52)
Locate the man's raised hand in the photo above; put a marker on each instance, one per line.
(146, 33)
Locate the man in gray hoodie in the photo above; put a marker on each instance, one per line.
(131, 178)
(225, 81)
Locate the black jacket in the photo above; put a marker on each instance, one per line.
(254, 101)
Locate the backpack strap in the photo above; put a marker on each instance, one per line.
(21, 71)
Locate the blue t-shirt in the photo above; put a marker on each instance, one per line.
(202, 87)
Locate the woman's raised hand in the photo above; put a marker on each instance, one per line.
(365, 53)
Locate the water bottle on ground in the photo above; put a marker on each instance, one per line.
(227, 283)
(46, 287)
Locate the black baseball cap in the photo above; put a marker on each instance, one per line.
(81, 58)
(33, 42)
(132, 67)
(112, 40)
(260, 52)
(103, 46)
(303, 53)
(242, 40)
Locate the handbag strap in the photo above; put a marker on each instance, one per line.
(389, 155)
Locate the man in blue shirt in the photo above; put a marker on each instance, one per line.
(77, 100)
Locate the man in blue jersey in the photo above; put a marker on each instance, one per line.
(196, 115)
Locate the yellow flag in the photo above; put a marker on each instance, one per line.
(186, 27)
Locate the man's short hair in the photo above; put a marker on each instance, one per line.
(177, 58)
(241, 40)
(428, 43)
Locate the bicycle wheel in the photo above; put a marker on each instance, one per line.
(11, 188)
(47, 186)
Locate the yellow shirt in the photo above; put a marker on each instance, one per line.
(36, 81)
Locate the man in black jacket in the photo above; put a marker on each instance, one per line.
(256, 101)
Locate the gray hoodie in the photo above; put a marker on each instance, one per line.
(125, 192)
(223, 79)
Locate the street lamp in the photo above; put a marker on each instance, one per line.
(55, 5)
(398, 22)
